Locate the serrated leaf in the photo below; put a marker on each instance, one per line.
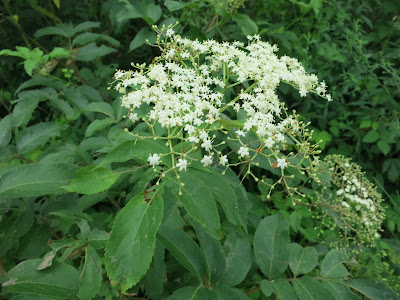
(184, 249)
(92, 51)
(91, 277)
(302, 260)
(271, 245)
(36, 180)
(36, 135)
(332, 265)
(141, 38)
(132, 241)
(372, 288)
(60, 281)
(134, 149)
(238, 259)
(198, 200)
(308, 288)
(90, 180)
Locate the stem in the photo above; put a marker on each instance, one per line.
(237, 98)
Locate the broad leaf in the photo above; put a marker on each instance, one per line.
(131, 245)
(36, 179)
(246, 24)
(184, 249)
(92, 51)
(97, 125)
(372, 288)
(155, 276)
(225, 292)
(101, 107)
(302, 260)
(36, 135)
(91, 277)
(308, 288)
(339, 290)
(193, 293)
(60, 281)
(141, 38)
(283, 290)
(332, 265)
(5, 130)
(272, 245)
(134, 149)
(90, 180)
(238, 259)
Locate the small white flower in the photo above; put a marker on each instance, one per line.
(207, 160)
(240, 133)
(133, 117)
(170, 32)
(207, 145)
(182, 164)
(269, 142)
(193, 139)
(223, 160)
(243, 151)
(281, 163)
(154, 160)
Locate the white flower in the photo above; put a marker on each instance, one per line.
(243, 151)
(207, 160)
(207, 145)
(154, 160)
(133, 117)
(240, 133)
(182, 164)
(269, 142)
(170, 32)
(281, 163)
(223, 160)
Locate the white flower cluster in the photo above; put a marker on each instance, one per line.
(356, 203)
(188, 89)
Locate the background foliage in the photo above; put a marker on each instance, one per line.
(59, 121)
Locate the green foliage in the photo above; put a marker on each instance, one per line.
(84, 216)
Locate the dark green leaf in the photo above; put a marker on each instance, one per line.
(184, 249)
(225, 292)
(101, 107)
(247, 25)
(272, 245)
(371, 137)
(238, 259)
(131, 245)
(90, 180)
(92, 51)
(91, 277)
(308, 288)
(34, 242)
(332, 265)
(266, 287)
(36, 135)
(5, 130)
(89, 37)
(193, 293)
(155, 276)
(339, 290)
(36, 179)
(384, 147)
(302, 260)
(141, 38)
(174, 5)
(97, 125)
(372, 288)
(283, 290)
(60, 281)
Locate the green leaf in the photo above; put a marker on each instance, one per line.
(266, 287)
(36, 179)
(59, 52)
(193, 293)
(184, 249)
(238, 259)
(155, 276)
(5, 130)
(60, 281)
(90, 180)
(308, 288)
(247, 25)
(85, 26)
(52, 30)
(283, 290)
(92, 51)
(134, 149)
(131, 245)
(225, 292)
(302, 260)
(45, 81)
(91, 277)
(384, 147)
(97, 125)
(102, 107)
(271, 245)
(332, 265)
(149, 12)
(89, 37)
(34, 242)
(174, 5)
(198, 201)
(372, 288)
(98, 238)
(371, 137)
(339, 290)
(141, 38)
(28, 101)
(14, 226)
(213, 254)
(36, 135)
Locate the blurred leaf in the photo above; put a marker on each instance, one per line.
(371, 288)
(247, 25)
(308, 288)
(5, 130)
(371, 137)
(174, 5)
(90, 180)
(141, 38)
(384, 147)
(97, 125)
(36, 135)
(92, 51)
(332, 265)
(88, 37)
(193, 293)
(91, 277)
